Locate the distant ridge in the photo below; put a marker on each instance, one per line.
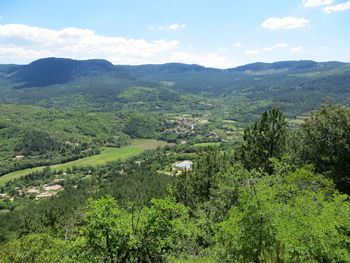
(295, 66)
(186, 77)
(49, 71)
(98, 85)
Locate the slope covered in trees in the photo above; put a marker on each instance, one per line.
(39, 136)
(291, 206)
(96, 85)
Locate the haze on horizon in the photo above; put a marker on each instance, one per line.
(219, 34)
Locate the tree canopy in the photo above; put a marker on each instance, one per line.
(263, 140)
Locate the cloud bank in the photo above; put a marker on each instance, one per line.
(336, 8)
(20, 43)
(288, 22)
(209, 60)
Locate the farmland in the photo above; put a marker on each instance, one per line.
(108, 155)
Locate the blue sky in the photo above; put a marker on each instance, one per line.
(221, 33)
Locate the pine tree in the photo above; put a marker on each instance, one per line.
(263, 140)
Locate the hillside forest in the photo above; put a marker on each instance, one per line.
(174, 163)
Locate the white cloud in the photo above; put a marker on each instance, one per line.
(296, 49)
(13, 53)
(222, 49)
(21, 43)
(280, 45)
(170, 27)
(238, 44)
(312, 3)
(252, 52)
(288, 22)
(176, 26)
(208, 60)
(337, 8)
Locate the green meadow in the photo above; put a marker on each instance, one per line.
(206, 144)
(109, 154)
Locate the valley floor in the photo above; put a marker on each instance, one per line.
(108, 155)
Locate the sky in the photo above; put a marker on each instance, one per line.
(212, 33)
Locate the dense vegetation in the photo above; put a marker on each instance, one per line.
(275, 197)
(241, 93)
(268, 176)
(39, 136)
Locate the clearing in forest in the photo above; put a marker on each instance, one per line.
(109, 154)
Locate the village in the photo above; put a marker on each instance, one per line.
(193, 128)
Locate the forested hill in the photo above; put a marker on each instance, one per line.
(49, 71)
(291, 67)
(294, 86)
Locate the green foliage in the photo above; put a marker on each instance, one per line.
(263, 140)
(47, 137)
(136, 94)
(35, 248)
(143, 126)
(111, 234)
(228, 214)
(163, 230)
(39, 142)
(48, 71)
(324, 140)
(105, 234)
(260, 210)
(195, 186)
(96, 85)
(291, 219)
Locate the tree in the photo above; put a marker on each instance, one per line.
(163, 230)
(295, 218)
(196, 186)
(142, 126)
(35, 248)
(263, 140)
(324, 140)
(150, 234)
(106, 232)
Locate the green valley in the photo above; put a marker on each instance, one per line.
(174, 162)
(107, 155)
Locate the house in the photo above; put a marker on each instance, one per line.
(54, 187)
(183, 165)
(45, 195)
(57, 180)
(19, 157)
(32, 191)
(3, 196)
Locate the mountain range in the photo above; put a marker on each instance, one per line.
(297, 86)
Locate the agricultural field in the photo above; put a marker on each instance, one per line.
(108, 155)
(206, 144)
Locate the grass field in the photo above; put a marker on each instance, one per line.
(206, 144)
(109, 154)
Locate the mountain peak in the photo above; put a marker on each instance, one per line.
(49, 71)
